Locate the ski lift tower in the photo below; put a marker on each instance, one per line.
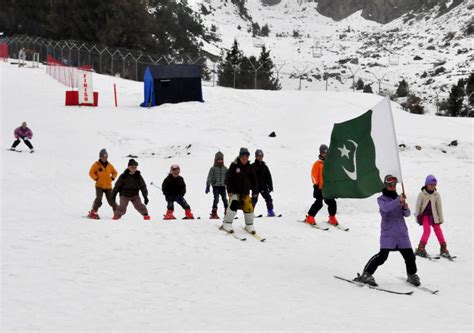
(316, 49)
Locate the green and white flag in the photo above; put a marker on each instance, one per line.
(362, 151)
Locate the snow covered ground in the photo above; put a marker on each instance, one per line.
(61, 272)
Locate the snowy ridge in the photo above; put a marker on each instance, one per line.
(63, 272)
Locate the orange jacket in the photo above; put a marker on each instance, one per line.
(103, 176)
(317, 173)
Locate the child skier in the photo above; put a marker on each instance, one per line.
(317, 178)
(25, 134)
(128, 185)
(103, 173)
(394, 234)
(265, 183)
(216, 178)
(240, 180)
(429, 213)
(174, 189)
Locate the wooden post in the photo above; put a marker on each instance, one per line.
(115, 94)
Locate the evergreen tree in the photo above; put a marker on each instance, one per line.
(368, 89)
(265, 31)
(231, 63)
(360, 84)
(470, 89)
(266, 79)
(402, 90)
(455, 99)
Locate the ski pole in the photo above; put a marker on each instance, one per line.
(153, 184)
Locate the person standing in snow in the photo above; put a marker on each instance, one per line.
(317, 178)
(216, 178)
(174, 189)
(128, 186)
(25, 134)
(394, 234)
(429, 213)
(265, 183)
(240, 180)
(103, 173)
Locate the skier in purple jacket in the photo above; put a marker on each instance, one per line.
(394, 234)
(25, 134)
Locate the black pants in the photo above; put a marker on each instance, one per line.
(381, 257)
(179, 200)
(268, 199)
(318, 204)
(25, 140)
(219, 191)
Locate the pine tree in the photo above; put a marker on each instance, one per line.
(266, 79)
(470, 89)
(402, 90)
(368, 89)
(455, 99)
(231, 64)
(360, 84)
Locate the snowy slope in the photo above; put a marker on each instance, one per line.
(385, 53)
(63, 272)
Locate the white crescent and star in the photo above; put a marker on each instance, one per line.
(345, 153)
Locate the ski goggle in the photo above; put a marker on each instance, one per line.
(391, 181)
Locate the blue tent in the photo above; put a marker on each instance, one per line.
(172, 84)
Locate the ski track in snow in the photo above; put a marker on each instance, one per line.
(63, 272)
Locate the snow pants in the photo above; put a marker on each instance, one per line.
(318, 204)
(136, 202)
(219, 191)
(25, 140)
(179, 200)
(268, 199)
(243, 202)
(99, 192)
(427, 231)
(381, 257)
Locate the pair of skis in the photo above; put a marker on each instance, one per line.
(243, 239)
(390, 291)
(437, 257)
(324, 228)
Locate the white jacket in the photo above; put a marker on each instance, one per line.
(436, 206)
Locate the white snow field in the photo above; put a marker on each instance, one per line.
(62, 272)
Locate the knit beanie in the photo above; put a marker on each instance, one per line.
(430, 179)
(132, 162)
(323, 148)
(218, 156)
(103, 152)
(258, 152)
(244, 151)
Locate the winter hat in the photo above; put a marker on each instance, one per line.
(103, 152)
(218, 156)
(174, 166)
(244, 151)
(323, 148)
(258, 152)
(430, 179)
(132, 162)
(389, 180)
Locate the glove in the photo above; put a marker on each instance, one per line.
(207, 189)
(146, 200)
(270, 189)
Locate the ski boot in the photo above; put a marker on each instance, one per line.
(116, 217)
(443, 252)
(310, 220)
(271, 213)
(250, 229)
(366, 278)
(146, 217)
(414, 280)
(227, 227)
(214, 215)
(93, 215)
(333, 220)
(169, 215)
(421, 250)
(189, 215)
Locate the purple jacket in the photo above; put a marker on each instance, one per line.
(394, 231)
(21, 132)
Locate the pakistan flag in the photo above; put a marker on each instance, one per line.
(362, 151)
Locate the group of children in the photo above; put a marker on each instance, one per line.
(242, 183)
(234, 183)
